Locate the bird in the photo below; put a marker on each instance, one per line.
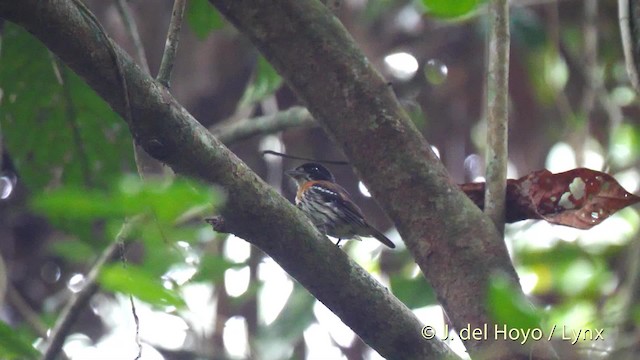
(329, 205)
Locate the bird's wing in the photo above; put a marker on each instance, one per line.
(332, 192)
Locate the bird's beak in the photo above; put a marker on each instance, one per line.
(294, 173)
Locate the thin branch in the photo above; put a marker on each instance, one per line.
(631, 293)
(498, 112)
(73, 308)
(243, 129)
(589, 65)
(4, 277)
(30, 316)
(136, 321)
(171, 45)
(145, 164)
(590, 59)
(132, 30)
(626, 34)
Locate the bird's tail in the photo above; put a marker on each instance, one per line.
(380, 236)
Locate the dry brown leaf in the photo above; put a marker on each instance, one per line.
(580, 198)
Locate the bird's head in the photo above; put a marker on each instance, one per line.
(310, 172)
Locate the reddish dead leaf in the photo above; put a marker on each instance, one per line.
(580, 198)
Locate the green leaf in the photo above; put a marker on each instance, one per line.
(450, 9)
(13, 345)
(131, 280)
(506, 306)
(413, 292)
(265, 83)
(57, 129)
(203, 18)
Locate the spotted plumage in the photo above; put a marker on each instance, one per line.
(329, 205)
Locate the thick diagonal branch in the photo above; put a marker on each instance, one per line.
(455, 245)
(254, 211)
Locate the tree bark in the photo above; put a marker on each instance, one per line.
(455, 245)
(254, 211)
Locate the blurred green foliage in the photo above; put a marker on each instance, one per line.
(527, 30)
(130, 196)
(507, 307)
(265, 82)
(135, 281)
(568, 270)
(447, 9)
(414, 292)
(56, 128)
(203, 18)
(15, 344)
(625, 144)
(163, 203)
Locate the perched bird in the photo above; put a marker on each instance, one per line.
(329, 205)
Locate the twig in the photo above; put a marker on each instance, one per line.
(498, 112)
(223, 307)
(136, 320)
(246, 128)
(590, 60)
(4, 279)
(627, 42)
(631, 294)
(144, 163)
(171, 45)
(71, 311)
(589, 68)
(28, 314)
(132, 30)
